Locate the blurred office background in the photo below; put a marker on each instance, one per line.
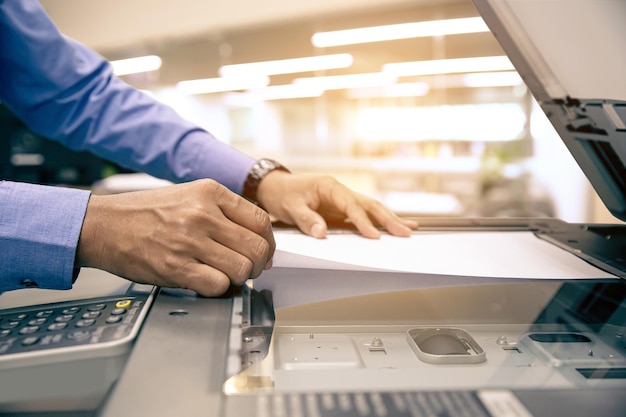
(424, 112)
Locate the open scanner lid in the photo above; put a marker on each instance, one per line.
(572, 56)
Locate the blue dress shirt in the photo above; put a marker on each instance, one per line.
(66, 92)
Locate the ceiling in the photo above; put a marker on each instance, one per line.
(195, 37)
(113, 24)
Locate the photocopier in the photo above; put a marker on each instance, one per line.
(333, 339)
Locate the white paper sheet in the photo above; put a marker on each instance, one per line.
(348, 265)
(478, 254)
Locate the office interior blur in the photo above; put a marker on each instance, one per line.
(412, 102)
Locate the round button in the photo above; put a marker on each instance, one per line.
(71, 310)
(113, 319)
(20, 316)
(5, 333)
(123, 304)
(9, 325)
(29, 341)
(44, 313)
(78, 334)
(118, 311)
(57, 326)
(85, 323)
(91, 314)
(37, 322)
(64, 318)
(96, 307)
(28, 283)
(28, 329)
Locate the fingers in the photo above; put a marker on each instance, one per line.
(205, 280)
(238, 252)
(389, 220)
(307, 220)
(197, 235)
(308, 201)
(247, 232)
(359, 217)
(361, 210)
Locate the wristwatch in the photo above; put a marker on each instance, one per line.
(259, 170)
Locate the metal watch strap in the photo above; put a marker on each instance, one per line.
(259, 170)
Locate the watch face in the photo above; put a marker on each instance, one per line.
(258, 171)
(267, 165)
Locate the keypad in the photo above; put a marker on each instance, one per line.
(28, 329)
(346, 404)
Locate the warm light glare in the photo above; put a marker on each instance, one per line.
(338, 82)
(399, 31)
(492, 79)
(449, 66)
(289, 66)
(221, 84)
(417, 89)
(136, 65)
(470, 122)
(288, 91)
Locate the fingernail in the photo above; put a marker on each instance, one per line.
(269, 264)
(317, 230)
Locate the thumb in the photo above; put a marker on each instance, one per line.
(309, 221)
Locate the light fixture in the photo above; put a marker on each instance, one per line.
(449, 66)
(136, 65)
(288, 66)
(287, 91)
(416, 89)
(221, 84)
(399, 31)
(492, 79)
(338, 82)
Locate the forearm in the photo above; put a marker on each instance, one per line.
(39, 231)
(66, 92)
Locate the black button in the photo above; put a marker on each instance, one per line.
(9, 325)
(57, 326)
(96, 307)
(44, 313)
(28, 283)
(71, 310)
(4, 333)
(118, 311)
(85, 323)
(78, 334)
(28, 329)
(91, 314)
(37, 322)
(113, 319)
(20, 316)
(64, 318)
(28, 341)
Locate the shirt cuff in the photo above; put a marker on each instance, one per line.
(39, 231)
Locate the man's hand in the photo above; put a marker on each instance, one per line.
(197, 235)
(307, 201)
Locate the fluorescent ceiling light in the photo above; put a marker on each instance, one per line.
(136, 65)
(416, 89)
(449, 66)
(220, 84)
(399, 31)
(288, 91)
(339, 82)
(492, 79)
(289, 66)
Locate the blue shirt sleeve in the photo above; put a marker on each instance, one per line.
(39, 229)
(66, 92)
